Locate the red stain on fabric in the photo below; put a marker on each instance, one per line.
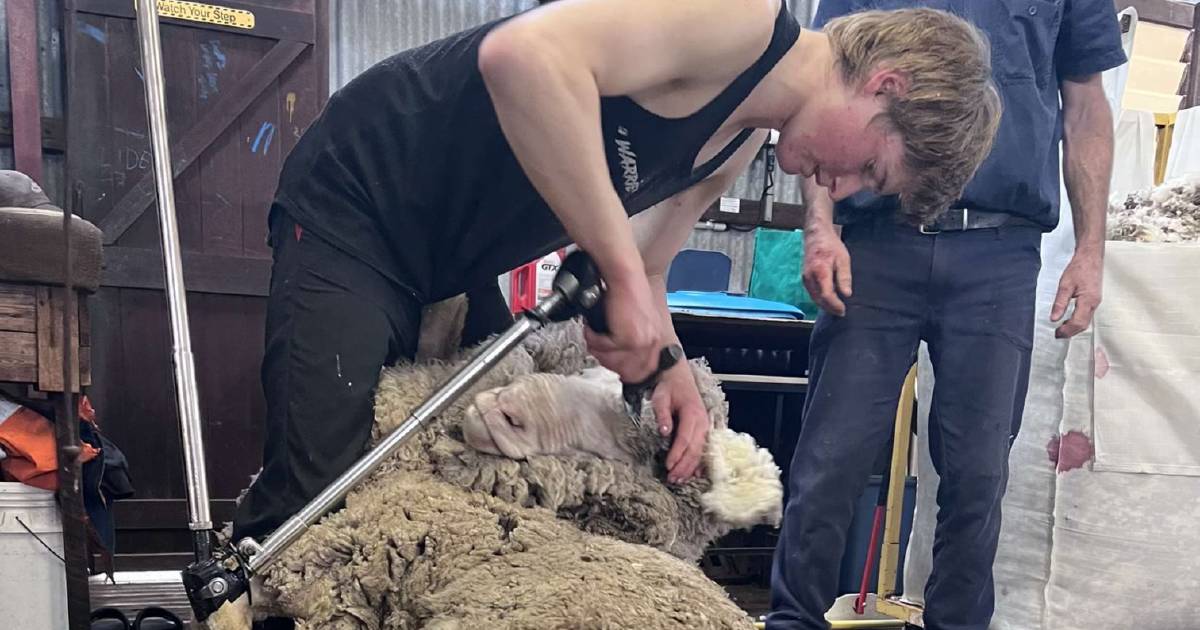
(1102, 364)
(1070, 451)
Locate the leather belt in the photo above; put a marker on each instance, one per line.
(959, 219)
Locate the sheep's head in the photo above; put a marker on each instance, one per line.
(550, 414)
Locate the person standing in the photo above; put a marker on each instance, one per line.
(964, 283)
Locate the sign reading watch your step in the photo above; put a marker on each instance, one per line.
(207, 13)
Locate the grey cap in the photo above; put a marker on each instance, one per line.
(17, 190)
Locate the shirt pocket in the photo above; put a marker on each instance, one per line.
(1023, 34)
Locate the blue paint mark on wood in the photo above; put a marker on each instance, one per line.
(213, 60)
(265, 132)
(93, 32)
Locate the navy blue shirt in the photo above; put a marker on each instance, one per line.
(1035, 45)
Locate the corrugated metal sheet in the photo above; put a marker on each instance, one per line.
(366, 31)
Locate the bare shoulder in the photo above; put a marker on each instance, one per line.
(634, 45)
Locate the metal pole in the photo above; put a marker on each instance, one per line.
(462, 380)
(185, 375)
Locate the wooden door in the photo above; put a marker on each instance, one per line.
(243, 81)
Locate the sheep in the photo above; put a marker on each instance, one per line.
(446, 535)
(1169, 213)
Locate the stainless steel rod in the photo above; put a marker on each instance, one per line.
(181, 345)
(458, 384)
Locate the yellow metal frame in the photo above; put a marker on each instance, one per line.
(1164, 132)
(888, 602)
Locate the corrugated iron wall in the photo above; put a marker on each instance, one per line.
(366, 31)
(51, 79)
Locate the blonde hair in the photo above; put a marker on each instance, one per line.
(947, 116)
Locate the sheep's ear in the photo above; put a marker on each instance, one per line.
(441, 329)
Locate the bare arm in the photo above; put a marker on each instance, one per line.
(661, 232)
(546, 70)
(1087, 166)
(826, 261)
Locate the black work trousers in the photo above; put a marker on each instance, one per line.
(971, 296)
(333, 322)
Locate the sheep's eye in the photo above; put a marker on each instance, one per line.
(512, 422)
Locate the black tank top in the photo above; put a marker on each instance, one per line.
(407, 168)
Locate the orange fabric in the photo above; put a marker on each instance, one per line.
(28, 440)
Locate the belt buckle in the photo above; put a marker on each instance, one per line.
(926, 229)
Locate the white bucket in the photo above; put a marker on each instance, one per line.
(33, 582)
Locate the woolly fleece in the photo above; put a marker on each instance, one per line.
(444, 536)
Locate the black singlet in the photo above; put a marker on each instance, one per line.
(407, 168)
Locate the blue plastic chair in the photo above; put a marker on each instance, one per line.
(699, 270)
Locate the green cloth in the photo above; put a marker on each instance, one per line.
(776, 276)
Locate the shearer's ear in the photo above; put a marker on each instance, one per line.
(887, 82)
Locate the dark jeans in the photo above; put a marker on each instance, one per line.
(332, 323)
(970, 295)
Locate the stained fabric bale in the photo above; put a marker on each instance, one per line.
(1168, 213)
(447, 536)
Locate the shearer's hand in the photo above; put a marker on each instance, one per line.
(631, 346)
(826, 269)
(677, 403)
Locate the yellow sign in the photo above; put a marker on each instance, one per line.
(207, 13)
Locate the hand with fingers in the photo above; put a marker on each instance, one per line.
(827, 270)
(632, 343)
(678, 407)
(1082, 281)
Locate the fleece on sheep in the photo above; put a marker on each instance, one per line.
(444, 536)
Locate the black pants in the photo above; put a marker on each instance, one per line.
(332, 323)
(970, 295)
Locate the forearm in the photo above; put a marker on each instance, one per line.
(1087, 167)
(555, 137)
(818, 206)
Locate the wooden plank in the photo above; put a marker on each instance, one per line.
(184, 58)
(260, 163)
(128, 142)
(148, 429)
(215, 120)
(108, 391)
(322, 45)
(18, 357)
(300, 99)
(1168, 12)
(221, 195)
(89, 161)
(889, 556)
(202, 273)
(269, 21)
(180, 53)
(23, 87)
(230, 334)
(50, 305)
(785, 216)
(18, 308)
(54, 133)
